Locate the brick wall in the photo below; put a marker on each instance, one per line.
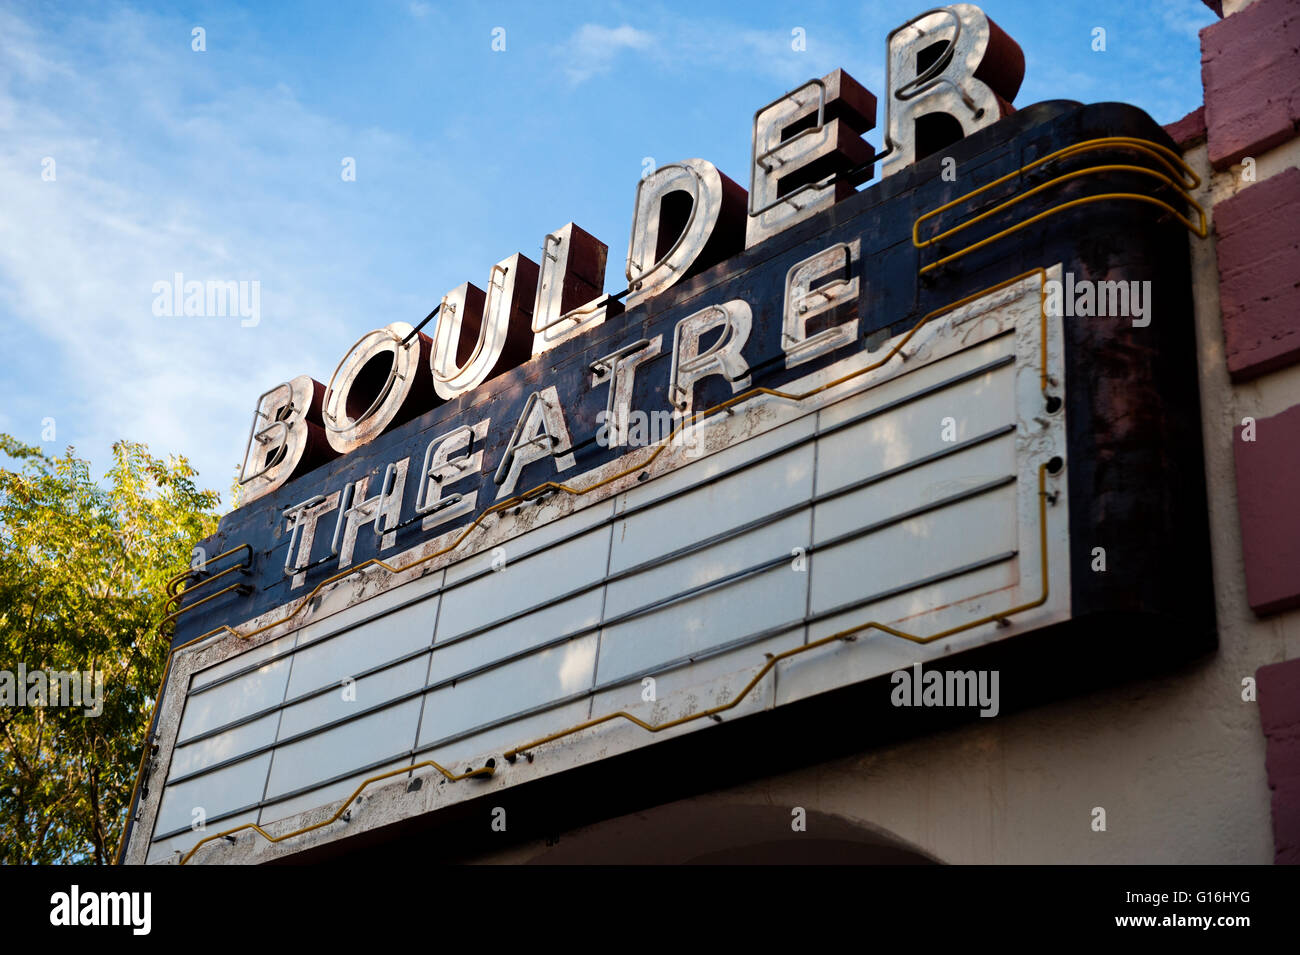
(1252, 83)
(1250, 123)
(1278, 686)
(1258, 233)
(1267, 453)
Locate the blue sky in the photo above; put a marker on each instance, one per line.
(225, 165)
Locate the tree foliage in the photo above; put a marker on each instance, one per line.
(83, 569)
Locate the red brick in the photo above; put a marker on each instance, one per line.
(1252, 83)
(1257, 202)
(1189, 130)
(1277, 687)
(1286, 826)
(1258, 246)
(1267, 276)
(1269, 509)
(1282, 761)
(1271, 345)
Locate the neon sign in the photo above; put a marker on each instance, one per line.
(954, 72)
(794, 456)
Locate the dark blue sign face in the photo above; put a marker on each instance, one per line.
(1131, 435)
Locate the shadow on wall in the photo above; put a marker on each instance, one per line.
(711, 833)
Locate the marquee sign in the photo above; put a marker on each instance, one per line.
(825, 434)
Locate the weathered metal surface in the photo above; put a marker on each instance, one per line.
(608, 596)
(383, 380)
(944, 92)
(1130, 432)
(812, 133)
(1146, 373)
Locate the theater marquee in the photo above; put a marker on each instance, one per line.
(825, 434)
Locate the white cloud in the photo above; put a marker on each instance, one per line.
(1186, 17)
(593, 49)
(166, 168)
(701, 44)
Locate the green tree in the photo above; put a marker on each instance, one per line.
(83, 569)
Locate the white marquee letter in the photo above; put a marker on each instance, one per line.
(503, 323)
(540, 433)
(723, 357)
(286, 438)
(379, 383)
(569, 299)
(801, 142)
(619, 369)
(688, 216)
(934, 96)
(803, 302)
(383, 510)
(445, 462)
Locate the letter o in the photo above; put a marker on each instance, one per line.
(379, 383)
